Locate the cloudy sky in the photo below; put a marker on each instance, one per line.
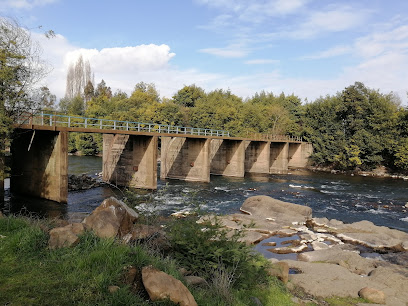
(307, 47)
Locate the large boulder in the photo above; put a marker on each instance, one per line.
(372, 295)
(112, 218)
(161, 286)
(66, 236)
(267, 207)
(263, 216)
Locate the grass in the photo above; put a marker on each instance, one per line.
(31, 274)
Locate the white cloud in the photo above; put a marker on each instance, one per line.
(121, 68)
(375, 44)
(256, 10)
(332, 52)
(261, 62)
(23, 4)
(231, 51)
(334, 20)
(137, 58)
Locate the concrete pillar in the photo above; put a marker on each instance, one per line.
(185, 159)
(130, 160)
(257, 156)
(299, 154)
(2, 160)
(227, 157)
(279, 157)
(40, 164)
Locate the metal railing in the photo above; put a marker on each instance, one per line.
(94, 123)
(273, 137)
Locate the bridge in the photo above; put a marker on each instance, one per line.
(131, 151)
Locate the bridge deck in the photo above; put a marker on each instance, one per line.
(64, 123)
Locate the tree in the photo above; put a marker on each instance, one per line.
(78, 77)
(188, 95)
(103, 91)
(47, 99)
(89, 91)
(21, 68)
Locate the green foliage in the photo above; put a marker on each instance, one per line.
(188, 95)
(356, 129)
(205, 247)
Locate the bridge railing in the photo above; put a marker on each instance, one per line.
(274, 137)
(110, 124)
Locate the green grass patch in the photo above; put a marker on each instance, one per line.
(31, 274)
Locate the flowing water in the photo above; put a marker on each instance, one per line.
(346, 198)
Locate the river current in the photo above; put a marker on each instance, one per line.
(346, 198)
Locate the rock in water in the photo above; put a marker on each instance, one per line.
(264, 206)
(161, 286)
(112, 218)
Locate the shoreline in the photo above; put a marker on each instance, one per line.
(380, 172)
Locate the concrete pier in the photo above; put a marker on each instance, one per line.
(130, 160)
(279, 157)
(2, 160)
(40, 164)
(299, 154)
(257, 156)
(227, 157)
(185, 159)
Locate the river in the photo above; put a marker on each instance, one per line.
(346, 198)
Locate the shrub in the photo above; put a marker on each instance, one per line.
(214, 253)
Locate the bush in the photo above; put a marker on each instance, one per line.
(214, 253)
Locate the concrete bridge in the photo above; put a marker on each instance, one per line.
(131, 151)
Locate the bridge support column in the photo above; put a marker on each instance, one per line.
(185, 159)
(40, 164)
(2, 161)
(130, 160)
(299, 154)
(227, 157)
(257, 156)
(279, 157)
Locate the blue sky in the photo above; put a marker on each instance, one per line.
(309, 48)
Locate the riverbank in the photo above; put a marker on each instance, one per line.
(380, 172)
(90, 270)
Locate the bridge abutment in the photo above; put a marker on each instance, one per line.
(227, 157)
(130, 160)
(40, 164)
(185, 158)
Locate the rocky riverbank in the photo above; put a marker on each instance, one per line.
(333, 258)
(378, 172)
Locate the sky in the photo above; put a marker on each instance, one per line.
(310, 48)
